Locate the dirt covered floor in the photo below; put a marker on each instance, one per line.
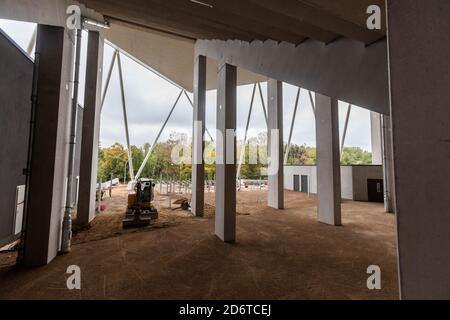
(279, 254)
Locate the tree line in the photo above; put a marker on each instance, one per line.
(113, 160)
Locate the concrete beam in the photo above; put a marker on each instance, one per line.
(275, 143)
(53, 77)
(344, 69)
(167, 61)
(324, 18)
(328, 161)
(375, 138)
(419, 78)
(198, 166)
(91, 130)
(225, 223)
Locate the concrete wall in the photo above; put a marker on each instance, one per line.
(419, 70)
(290, 171)
(344, 69)
(311, 171)
(353, 179)
(347, 188)
(16, 70)
(360, 176)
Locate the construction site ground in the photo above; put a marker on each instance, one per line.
(279, 254)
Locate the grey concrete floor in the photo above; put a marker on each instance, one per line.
(283, 254)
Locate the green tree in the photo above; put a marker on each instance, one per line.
(112, 160)
(355, 156)
(138, 157)
(311, 156)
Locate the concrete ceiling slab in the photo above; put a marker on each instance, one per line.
(284, 20)
(169, 55)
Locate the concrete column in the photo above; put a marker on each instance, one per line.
(76, 169)
(328, 161)
(419, 83)
(91, 130)
(48, 180)
(225, 224)
(375, 137)
(198, 167)
(275, 143)
(388, 165)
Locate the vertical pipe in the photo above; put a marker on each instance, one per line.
(387, 164)
(67, 221)
(27, 171)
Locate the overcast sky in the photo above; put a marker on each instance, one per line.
(149, 99)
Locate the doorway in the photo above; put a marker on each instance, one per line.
(296, 183)
(375, 191)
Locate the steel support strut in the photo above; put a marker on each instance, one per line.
(149, 153)
(288, 146)
(313, 104)
(108, 78)
(125, 118)
(192, 105)
(263, 103)
(242, 155)
(344, 135)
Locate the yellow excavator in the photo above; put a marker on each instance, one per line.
(140, 211)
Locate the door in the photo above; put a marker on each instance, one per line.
(296, 182)
(375, 191)
(305, 184)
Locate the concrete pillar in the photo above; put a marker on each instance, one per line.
(275, 143)
(91, 130)
(48, 180)
(375, 137)
(225, 224)
(198, 167)
(328, 161)
(419, 84)
(388, 165)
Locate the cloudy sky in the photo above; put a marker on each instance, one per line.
(149, 99)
